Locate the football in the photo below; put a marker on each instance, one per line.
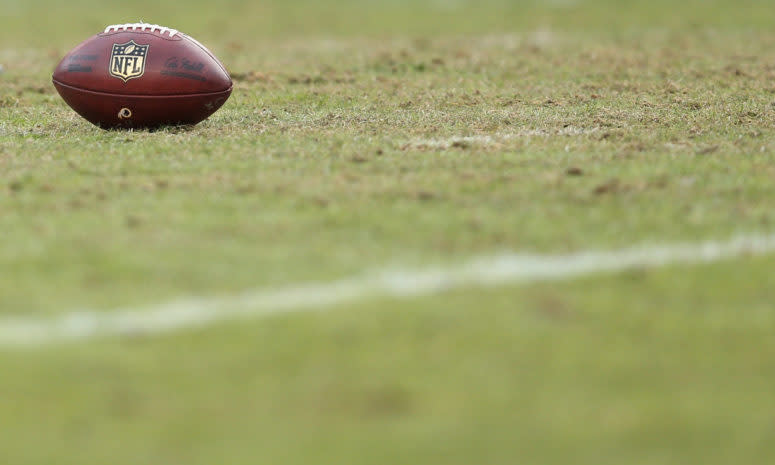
(142, 76)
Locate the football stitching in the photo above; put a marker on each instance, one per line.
(142, 27)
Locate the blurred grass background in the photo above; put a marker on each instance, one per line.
(40, 22)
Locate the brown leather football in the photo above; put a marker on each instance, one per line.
(142, 76)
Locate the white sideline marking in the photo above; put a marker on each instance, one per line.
(482, 272)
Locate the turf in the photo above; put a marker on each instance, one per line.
(364, 135)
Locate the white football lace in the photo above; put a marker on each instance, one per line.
(142, 27)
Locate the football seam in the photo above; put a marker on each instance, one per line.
(111, 94)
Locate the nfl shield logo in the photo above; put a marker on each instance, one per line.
(127, 61)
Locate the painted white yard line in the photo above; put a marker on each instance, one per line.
(479, 272)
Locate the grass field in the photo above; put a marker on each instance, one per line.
(368, 136)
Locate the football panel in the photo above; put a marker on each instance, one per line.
(133, 111)
(142, 63)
